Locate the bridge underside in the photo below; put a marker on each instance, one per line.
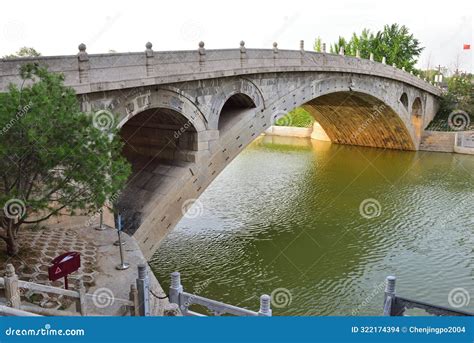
(175, 155)
(359, 119)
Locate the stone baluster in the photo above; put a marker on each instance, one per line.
(265, 309)
(371, 57)
(133, 296)
(202, 52)
(83, 61)
(143, 287)
(176, 289)
(81, 305)
(302, 46)
(243, 50)
(323, 47)
(384, 60)
(389, 297)
(12, 290)
(149, 58)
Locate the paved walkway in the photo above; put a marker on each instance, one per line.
(107, 285)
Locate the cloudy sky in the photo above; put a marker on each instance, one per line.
(57, 27)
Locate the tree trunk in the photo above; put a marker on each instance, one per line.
(12, 246)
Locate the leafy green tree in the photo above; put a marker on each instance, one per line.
(24, 52)
(456, 111)
(398, 46)
(394, 42)
(318, 44)
(54, 159)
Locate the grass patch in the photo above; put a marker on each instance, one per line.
(296, 118)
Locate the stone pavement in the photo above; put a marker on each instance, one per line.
(106, 285)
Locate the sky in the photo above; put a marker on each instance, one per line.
(58, 27)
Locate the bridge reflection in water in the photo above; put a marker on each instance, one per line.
(284, 217)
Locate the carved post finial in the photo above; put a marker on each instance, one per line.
(9, 270)
(275, 47)
(394, 65)
(243, 50)
(384, 60)
(82, 55)
(265, 309)
(358, 53)
(323, 47)
(149, 51)
(403, 68)
(341, 51)
(371, 57)
(302, 45)
(149, 54)
(83, 59)
(201, 49)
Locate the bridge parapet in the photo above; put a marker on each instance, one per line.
(104, 72)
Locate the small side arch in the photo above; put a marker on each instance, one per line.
(404, 100)
(235, 107)
(417, 116)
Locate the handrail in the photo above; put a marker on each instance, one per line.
(215, 306)
(6, 311)
(395, 305)
(184, 299)
(92, 73)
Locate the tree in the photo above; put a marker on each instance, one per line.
(394, 42)
(24, 52)
(54, 159)
(318, 44)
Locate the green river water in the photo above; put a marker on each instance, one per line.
(319, 226)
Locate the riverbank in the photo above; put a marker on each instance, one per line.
(434, 141)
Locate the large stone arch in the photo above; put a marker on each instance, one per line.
(375, 117)
(366, 114)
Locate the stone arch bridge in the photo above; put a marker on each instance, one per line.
(186, 115)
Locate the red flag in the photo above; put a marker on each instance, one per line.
(466, 47)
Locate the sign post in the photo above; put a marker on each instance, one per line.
(63, 265)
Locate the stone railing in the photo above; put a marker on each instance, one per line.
(15, 289)
(184, 300)
(395, 305)
(101, 72)
(464, 142)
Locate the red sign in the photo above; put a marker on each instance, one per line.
(64, 264)
(466, 46)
